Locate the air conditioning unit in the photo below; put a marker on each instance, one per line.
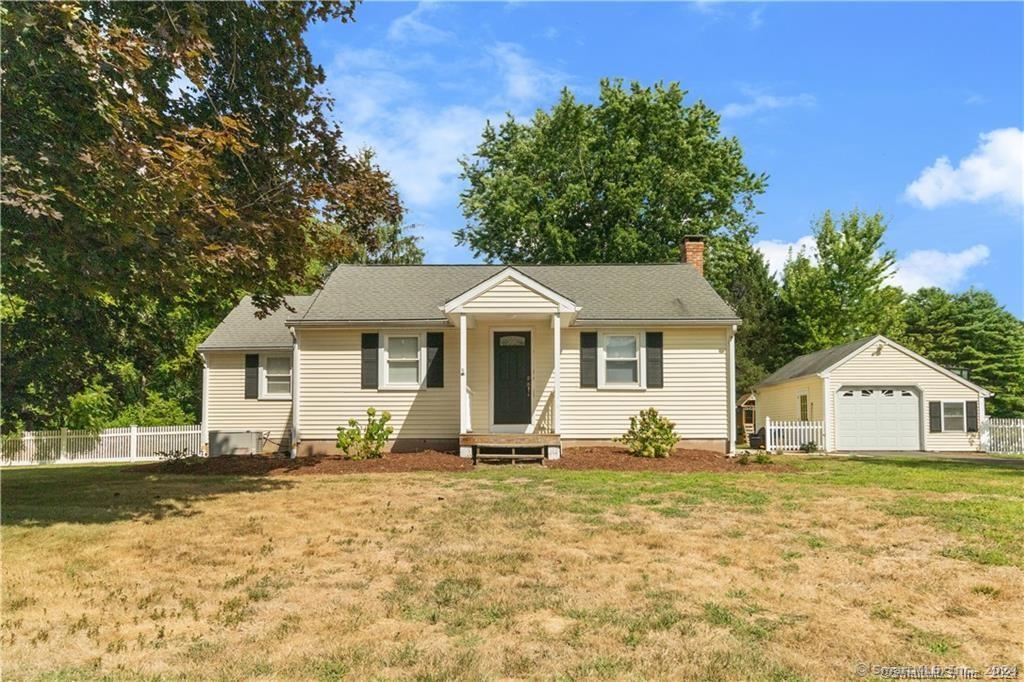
(236, 443)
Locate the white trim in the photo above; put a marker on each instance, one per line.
(464, 407)
(641, 359)
(263, 394)
(421, 361)
(556, 398)
(204, 426)
(296, 431)
(827, 412)
(731, 388)
(878, 338)
(564, 304)
(509, 428)
(963, 415)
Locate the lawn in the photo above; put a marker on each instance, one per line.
(512, 572)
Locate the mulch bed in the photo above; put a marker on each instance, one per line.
(603, 458)
(619, 459)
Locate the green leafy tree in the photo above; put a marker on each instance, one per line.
(971, 331)
(159, 159)
(842, 292)
(622, 180)
(740, 273)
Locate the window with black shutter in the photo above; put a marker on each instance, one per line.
(588, 359)
(935, 416)
(368, 375)
(655, 362)
(252, 376)
(435, 359)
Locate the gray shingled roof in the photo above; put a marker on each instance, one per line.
(242, 329)
(812, 363)
(670, 292)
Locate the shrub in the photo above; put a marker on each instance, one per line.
(743, 459)
(368, 443)
(762, 458)
(809, 446)
(650, 435)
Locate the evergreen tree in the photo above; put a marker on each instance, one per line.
(973, 332)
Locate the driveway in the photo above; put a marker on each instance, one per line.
(990, 459)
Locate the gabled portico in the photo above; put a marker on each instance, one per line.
(510, 361)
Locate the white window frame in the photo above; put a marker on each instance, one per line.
(804, 396)
(421, 357)
(641, 358)
(963, 415)
(264, 393)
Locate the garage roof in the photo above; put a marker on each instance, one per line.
(823, 360)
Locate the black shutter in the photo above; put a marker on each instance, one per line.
(369, 370)
(588, 359)
(655, 364)
(252, 376)
(935, 416)
(972, 416)
(435, 359)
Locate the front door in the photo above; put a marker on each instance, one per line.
(512, 377)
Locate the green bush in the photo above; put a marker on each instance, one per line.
(809, 447)
(762, 457)
(650, 435)
(369, 442)
(156, 410)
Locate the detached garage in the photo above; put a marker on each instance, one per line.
(874, 394)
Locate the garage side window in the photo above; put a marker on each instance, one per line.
(953, 416)
(803, 408)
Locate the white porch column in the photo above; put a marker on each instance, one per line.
(556, 389)
(731, 400)
(464, 451)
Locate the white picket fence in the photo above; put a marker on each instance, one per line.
(792, 435)
(127, 444)
(1002, 435)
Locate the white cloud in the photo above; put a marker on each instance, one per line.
(762, 101)
(412, 28)
(777, 252)
(524, 78)
(993, 171)
(923, 268)
(931, 268)
(756, 19)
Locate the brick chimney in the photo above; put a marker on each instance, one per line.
(693, 251)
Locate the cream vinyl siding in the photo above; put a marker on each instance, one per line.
(695, 395)
(478, 371)
(229, 410)
(879, 364)
(782, 401)
(510, 296)
(330, 393)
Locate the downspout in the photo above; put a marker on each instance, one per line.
(204, 428)
(296, 435)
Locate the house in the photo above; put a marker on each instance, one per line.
(874, 394)
(478, 355)
(746, 405)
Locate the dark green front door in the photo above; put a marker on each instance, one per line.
(511, 377)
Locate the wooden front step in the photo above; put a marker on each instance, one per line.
(508, 440)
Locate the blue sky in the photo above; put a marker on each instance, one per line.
(912, 109)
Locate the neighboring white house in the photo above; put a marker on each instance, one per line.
(463, 355)
(874, 394)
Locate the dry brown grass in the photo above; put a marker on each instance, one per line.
(504, 574)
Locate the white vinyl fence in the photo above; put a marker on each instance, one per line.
(792, 435)
(1002, 435)
(127, 444)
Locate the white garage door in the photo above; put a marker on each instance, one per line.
(878, 418)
